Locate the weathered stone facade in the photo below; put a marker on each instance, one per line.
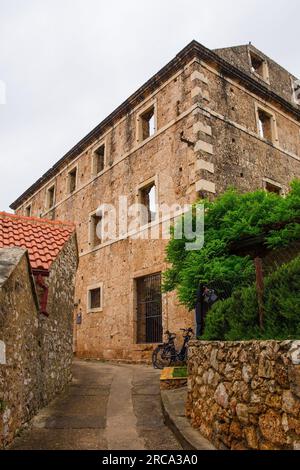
(246, 395)
(206, 139)
(56, 329)
(37, 350)
(20, 370)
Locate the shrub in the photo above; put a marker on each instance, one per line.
(227, 219)
(237, 317)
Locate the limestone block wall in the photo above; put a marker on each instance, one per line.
(245, 395)
(56, 338)
(35, 350)
(20, 368)
(206, 139)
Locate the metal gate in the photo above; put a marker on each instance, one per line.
(149, 309)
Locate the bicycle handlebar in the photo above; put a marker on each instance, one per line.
(186, 330)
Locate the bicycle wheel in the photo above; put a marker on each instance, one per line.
(161, 357)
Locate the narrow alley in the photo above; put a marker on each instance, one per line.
(107, 406)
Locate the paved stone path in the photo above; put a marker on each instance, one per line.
(107, 406)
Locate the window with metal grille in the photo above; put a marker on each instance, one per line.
(149, 309)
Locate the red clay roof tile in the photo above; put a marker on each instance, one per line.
(41, 237)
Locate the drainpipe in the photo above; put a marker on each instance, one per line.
(40, 280)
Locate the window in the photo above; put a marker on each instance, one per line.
(72, 180)
(28, 210)
(147, 197)
(146, 124)
(149, 309)
(259, 66)
(95, 230)
(266, 125)
(50, 198)
(296, 91)
(272, 187)
(99, 160)
(94, 298)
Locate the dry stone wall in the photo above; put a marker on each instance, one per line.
(35, 350)
(246, 395)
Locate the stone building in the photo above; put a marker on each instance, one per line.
(206, 121)
(38, 262)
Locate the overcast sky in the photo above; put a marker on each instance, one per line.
(68, 63)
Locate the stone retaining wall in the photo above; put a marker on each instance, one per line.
(35, 350)
(246, 395)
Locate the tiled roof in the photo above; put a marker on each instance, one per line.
(42, 238)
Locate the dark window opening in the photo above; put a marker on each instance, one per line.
(147, 123)
(99, 157)
(50, 197)
(258, 65)
(149, 309)
(95, 230)
(72, 180)
(148, 200)
(272, 188)
(28, 211)
(265, 125)
(95, 298)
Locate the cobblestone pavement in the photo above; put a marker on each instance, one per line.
(107, 406)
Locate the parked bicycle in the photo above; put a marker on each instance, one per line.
(166, 354)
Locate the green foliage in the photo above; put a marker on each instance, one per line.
(180, 372)
(227, 219)
(237, 317)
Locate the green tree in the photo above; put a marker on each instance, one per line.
(227, 219)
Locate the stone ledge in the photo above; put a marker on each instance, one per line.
(173, 405)
(204, 185)
(205, 165)
(196, 75)
(202, 146)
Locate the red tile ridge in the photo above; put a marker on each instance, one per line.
(40, 220)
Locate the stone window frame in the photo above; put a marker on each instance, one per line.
(274, 131)
(47, 198)
(143, 185)
(91, 287)
(28, 210)
(69, 171)
(94, 150)
(273, 183)
(294, 99)
(92, 245)
(143, 110)
(265, 74)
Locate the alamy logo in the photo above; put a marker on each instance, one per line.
(139, 221)
(296, 87)
(2, 92)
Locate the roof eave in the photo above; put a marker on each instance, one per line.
(193, 49)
